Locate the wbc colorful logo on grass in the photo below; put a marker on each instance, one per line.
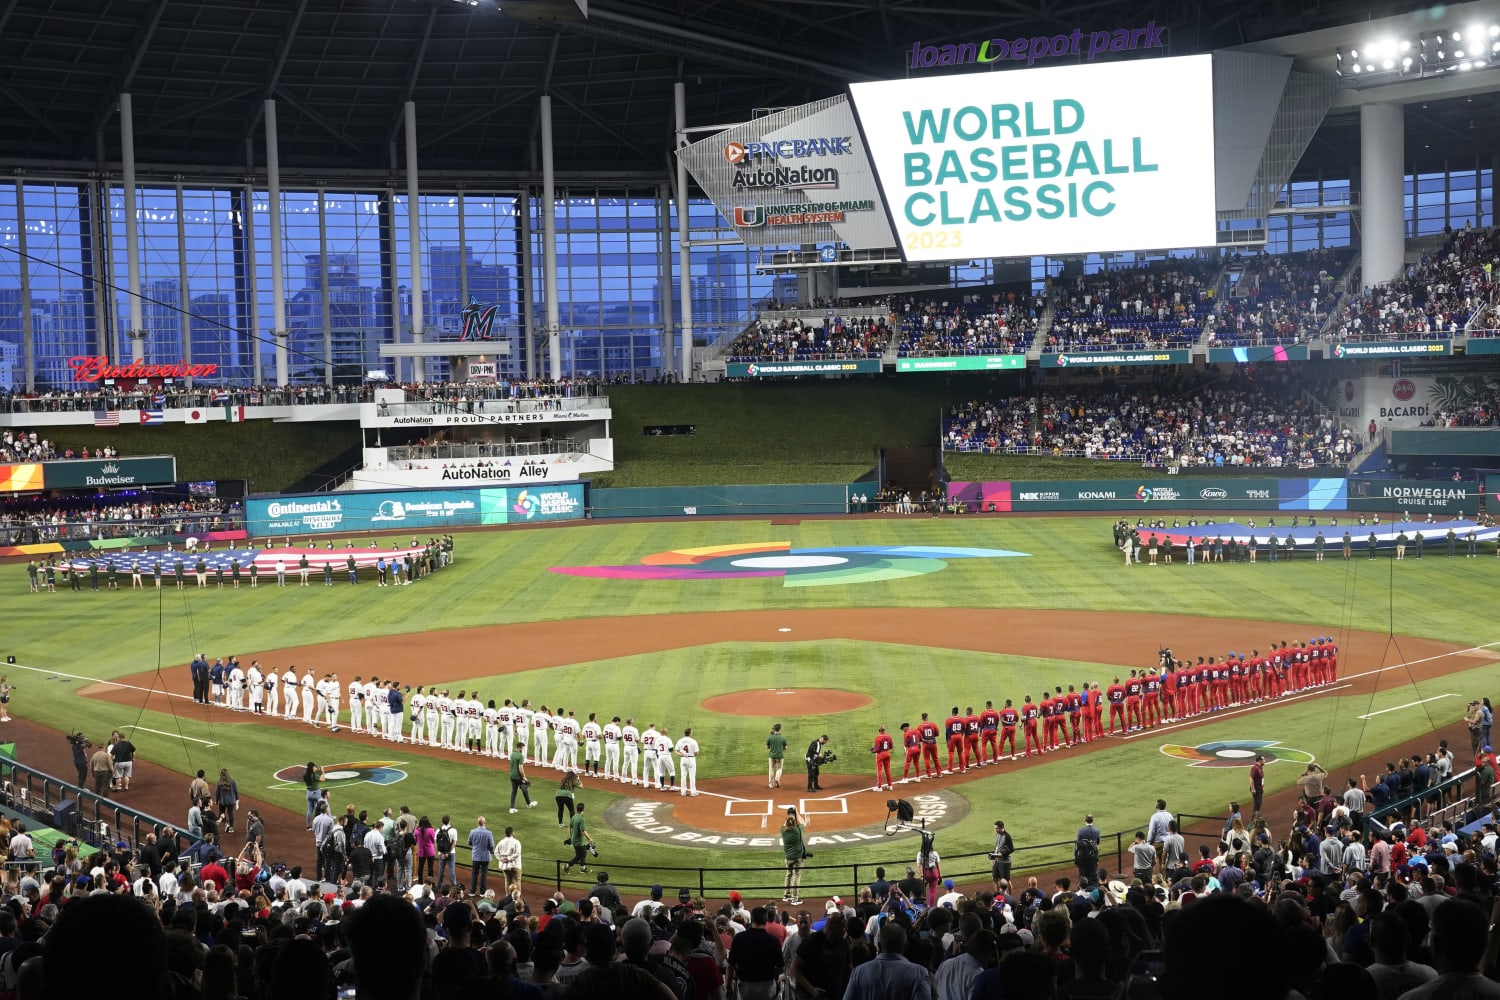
(376, 772)
(1236, 753)
(795, 567)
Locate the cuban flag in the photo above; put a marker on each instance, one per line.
(219, 398)
(153, 417)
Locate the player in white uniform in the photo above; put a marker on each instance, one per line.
(630, 741)
(418, 707)
(612, 748)
(541, 725)
(393, 716)
(522, 716)
(290, 687)
(377, 706)
(591, 734)
(474, 734)
(331, 694)
(491, 730)
(505, 718)
(445, 719)
(434, 715)
(273, 693)
(666, 768)
(255, 683)
(650, 773)
(559, 752)
(308, 685)
(356, 704)
(570, 730)
(236, 688)
(687, 753)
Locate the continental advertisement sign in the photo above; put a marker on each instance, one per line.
(783, 369)
(88, 474)
(1102, 359)
(984, 363)
(1224, 494)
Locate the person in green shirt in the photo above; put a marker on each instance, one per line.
(1418, 541)
(302, 567)
(254, 576)
(234, 573)
(1318, 545)
(578, 837)
(112, 574)
(93, 576)
(794, 850)
(200, 570)
(219, 577)
(156, 573)
(776, 749)
(518, 780)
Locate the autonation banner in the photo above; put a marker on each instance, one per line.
(412, 511)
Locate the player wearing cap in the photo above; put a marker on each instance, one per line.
(687, 752)
(667, 769)
(491, 729)
(356, 705)
(1029, 714)
(989, 732)
(650, 774)
(630, 746)
(953, 728)
(1008, 719)
(1133, 691)
(1116, 696)
(912, 740)
(971, 738)
(929, 732)
(541, 726)
(611, 735)
(418, 714)
(591, 745)
(882, 751)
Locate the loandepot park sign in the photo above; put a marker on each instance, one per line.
(1057, 160)
(1080, 44)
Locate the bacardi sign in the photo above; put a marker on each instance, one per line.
(90, 368)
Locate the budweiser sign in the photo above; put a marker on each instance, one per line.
(92, 369)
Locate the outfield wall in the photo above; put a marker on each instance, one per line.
(413, 510)
(704, 501)
(1224, 494)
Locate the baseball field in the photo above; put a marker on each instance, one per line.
(832, 626)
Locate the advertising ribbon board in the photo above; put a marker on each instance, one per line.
(412, 511)
(1163, 493)
(108, 473)
(1392, 349)
(1099, 359)
(1483, 345)
(1256, 355)
(775, 369)
(984, 363)
(1394, 497)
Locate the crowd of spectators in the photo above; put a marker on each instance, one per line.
(831, 337)
(1284, 299)
(36, 520)
(975, 324)
(17, 445)
(1160, 305)
(1434, 299)
(1172, 422)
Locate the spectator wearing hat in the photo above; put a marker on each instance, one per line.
(648, 908)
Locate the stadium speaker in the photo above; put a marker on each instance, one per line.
(65, 816)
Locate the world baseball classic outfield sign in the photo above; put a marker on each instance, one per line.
(659, 822)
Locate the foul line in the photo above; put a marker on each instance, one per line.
(1216, 716)
(96, 680)
(1410, 704)
(178, 736)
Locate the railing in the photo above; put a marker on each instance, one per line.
(810, 356)
(1140, 458)
(21, 532)
(83, 402)
(1414, 804)
(494, 406)
(100, 820)
(420, 453)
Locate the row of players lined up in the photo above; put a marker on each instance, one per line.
(465, 724)
(1177, 689)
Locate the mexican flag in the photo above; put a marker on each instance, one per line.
(234, 414)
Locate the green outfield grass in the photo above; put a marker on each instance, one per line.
(503, 577)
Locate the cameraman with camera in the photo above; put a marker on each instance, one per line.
(81, 746)
(816, 758)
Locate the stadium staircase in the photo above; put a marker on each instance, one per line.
(1043, 327)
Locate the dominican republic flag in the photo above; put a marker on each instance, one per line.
(234, 414)
(218, 398)
(106, 418)
(153, 417)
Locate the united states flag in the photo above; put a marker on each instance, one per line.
(106, 418)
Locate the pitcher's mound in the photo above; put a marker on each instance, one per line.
(786, 702)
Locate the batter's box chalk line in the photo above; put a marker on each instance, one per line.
(749, 807)
(816, 807)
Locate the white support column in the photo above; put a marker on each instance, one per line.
(28, 331)
(1382, 205)
(664, 205)
(684, 253)
(414, 233)
(136, 333)
(273, 217)
(184, 294)
(527, 282)
(252, 298)
(549, 244)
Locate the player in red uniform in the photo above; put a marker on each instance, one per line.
(989, 731)
(1029, 715)
(1151, 700)
(1133, 688)
(953, 728)
(1116, 696)
(1169, 677)
(1237, 679)
(1074, 705)
(1047, 710)
(1096, 710)
(1059, 719)
(912, 740)
(971, 738)
(929, 732)
(1008, 719)
(882, 751)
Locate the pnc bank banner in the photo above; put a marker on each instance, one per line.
(412, 511)
(1055, 160)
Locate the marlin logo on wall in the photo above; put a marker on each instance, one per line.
(477, 321)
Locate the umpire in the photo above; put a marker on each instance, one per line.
(815, 761)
